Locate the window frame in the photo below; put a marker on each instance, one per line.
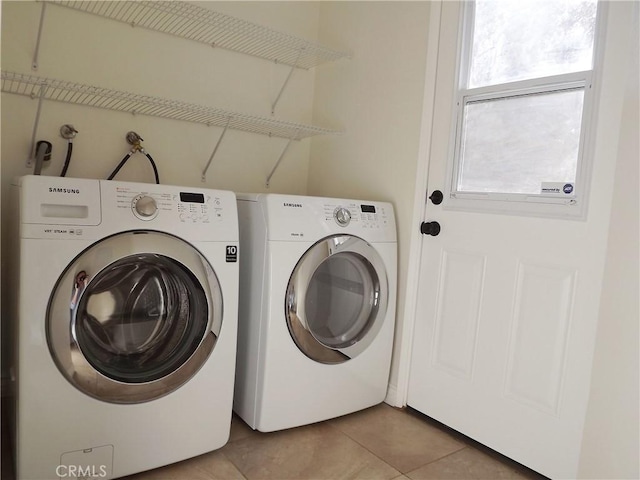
(573, 206)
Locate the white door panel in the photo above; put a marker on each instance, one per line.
(507, 305)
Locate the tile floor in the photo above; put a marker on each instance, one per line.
(378, 443)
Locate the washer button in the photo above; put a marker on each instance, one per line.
(145, 207)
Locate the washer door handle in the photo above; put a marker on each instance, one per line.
(79, 286)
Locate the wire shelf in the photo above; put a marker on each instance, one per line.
(192, 22)
(79, 94)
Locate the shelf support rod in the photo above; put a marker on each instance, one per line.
(275, 167)
(32, 151)
(295, 65)
(34, 63)
(213, 154)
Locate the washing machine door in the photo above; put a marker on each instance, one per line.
(336, 299)
(134, 317)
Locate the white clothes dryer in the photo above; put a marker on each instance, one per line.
(317, 308)
(126, 321)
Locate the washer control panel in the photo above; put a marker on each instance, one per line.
(187, 207)
(366, 216)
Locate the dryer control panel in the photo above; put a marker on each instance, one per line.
(365, 216)
(305, 218)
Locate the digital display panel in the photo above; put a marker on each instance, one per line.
(368, 209)
(191, 197)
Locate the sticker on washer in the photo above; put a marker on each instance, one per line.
(232, 253)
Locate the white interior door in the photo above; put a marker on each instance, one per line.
(508, 304)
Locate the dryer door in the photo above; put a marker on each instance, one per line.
(337, 299)
(134, 317)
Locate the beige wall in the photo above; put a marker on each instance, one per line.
(611, 445)
(87, 49)
(376, 98)
(92, 50)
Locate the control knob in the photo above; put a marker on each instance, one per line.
(342, 216)
(145, 207)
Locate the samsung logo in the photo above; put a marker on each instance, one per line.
(293, 205)
(64, 190)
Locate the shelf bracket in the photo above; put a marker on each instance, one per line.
(32, 150)
(213, 154)
(275, 167)
(286, 81)
(34, 63)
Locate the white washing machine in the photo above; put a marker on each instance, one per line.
(317, 308)
(126, 325)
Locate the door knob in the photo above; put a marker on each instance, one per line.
(436, 197)
(430, 228)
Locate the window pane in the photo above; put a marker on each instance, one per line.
(524, 39)
(517, 144)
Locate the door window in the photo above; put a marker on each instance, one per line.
(342, 300)
(141, 318)
(523, 106)
(336, 299)
(134, 316)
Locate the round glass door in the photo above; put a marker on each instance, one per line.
(134, 317)
(336, 299)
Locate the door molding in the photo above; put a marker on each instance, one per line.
(397, 395)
